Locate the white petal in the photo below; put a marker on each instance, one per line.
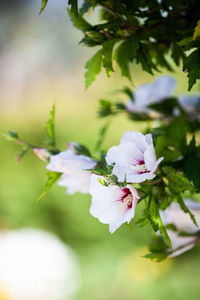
(148, 138)
(142, 95)
(106, 204)
(137, 138)
(157, 164)
(124, 154)
(150, 157)
(163, 87)
(138, 178)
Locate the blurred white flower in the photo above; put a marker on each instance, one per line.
(161, 88)
(135, 160)
(191, 105)
(73, 166)
(182, 221)
(111, 204)
(36, 265)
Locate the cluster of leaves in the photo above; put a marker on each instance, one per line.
(144, 32)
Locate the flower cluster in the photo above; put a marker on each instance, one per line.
(133, 161)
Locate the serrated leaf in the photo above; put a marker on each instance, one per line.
(52, 178)
(93, 68)
(49, 128)
(107, 55)
(43, 5)
(191, 64)
(125, 54)
(79, 22)
(177, 183)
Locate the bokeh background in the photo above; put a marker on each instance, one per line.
(41, 63)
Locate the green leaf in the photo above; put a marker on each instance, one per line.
(128, 92)
(52, 178)
(177, 131)
(74, 6)
(177, 183)
(158, 249)
(166, 107)
(11, 136)
(102, 181)
(43, 4)
(177, 54)
(197, 31)
(93, 68)
(79, 22)
(157, 256)
(125, 54)
(82, 150)
(162, 148)
(192, 164)
(49, 128)
(107, 55)
(102, 135)
(186, 209)
(106, 108)
(156, 220)
(191, 65)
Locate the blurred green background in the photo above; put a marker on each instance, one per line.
(42, 63)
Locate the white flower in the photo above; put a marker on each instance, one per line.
(134, 159)
(191, 104)
(162, 87)
(36, 265)
(182, 221)
(73, 166)
(112, 204)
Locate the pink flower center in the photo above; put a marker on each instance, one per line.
(127, 198)
(140, 167)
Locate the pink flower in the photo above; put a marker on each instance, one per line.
(112, 204)
(134, 159)
(74, 168)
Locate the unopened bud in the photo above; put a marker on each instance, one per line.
(42, 153)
